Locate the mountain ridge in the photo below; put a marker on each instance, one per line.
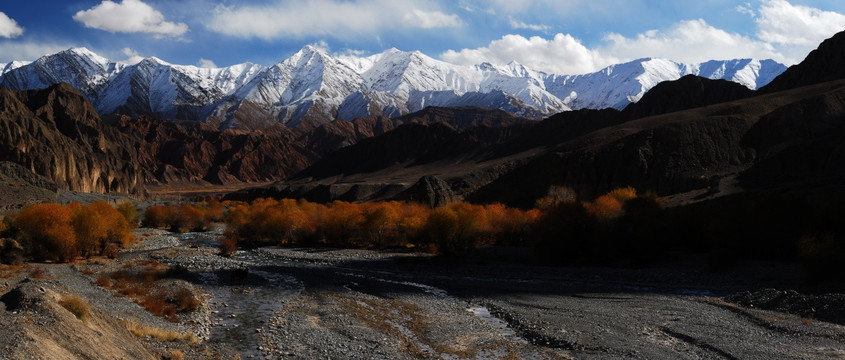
(313, 87)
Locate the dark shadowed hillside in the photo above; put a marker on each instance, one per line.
(826, 63)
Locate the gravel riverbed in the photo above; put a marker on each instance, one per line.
(273, 303)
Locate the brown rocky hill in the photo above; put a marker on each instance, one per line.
(56, 133)
(179, 153)
(194, 153)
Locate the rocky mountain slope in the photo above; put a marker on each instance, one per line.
(314, 87)
(56, 133)
(691, 136)
(191, 153)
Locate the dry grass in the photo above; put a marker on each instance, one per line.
(38, 274)
(10, 271)
(140, 330)
(77, 306)
(175, 355)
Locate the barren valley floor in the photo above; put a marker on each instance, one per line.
(357, 304)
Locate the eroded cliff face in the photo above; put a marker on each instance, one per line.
(56, 133)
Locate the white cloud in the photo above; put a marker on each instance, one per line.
(9, 28)
(129, 16)
(687, 41)
(337, 18)
(785, 33)
(746, 9)
(690, 41)
(780, 22)
(205, 63)
(563, 54)
(132, 57)
(521, 25)
(431, 19)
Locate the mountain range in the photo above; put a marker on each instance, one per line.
(687, 140)
(314, 87)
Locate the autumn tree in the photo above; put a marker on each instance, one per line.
(46, 231)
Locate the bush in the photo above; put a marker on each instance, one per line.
(129, 212)
(155, 217)
(228, 244)
(457, 228)
(99, 226)
(76, 305)
(176, 218)
(45, 231)
(11, 252)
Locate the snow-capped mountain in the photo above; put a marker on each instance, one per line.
(316, 86)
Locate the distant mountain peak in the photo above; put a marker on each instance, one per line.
(315, 85)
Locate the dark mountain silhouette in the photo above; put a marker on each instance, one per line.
(685, 93)
(825, 63)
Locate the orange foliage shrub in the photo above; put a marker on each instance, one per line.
(98, 225)
(214, 211)
(623, 194)
(605, 207)
(45, 231)
(454, 229)
(129, 212)
(380, 224)
(611, 205)
(340, 223)
(177, 218)
(457, 228)
(61, 233)
(155, 216)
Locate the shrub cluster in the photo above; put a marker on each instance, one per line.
(138, 284)
(184, 217)
(618, 228)
(61, 233)
(623, 228)
(452, 229)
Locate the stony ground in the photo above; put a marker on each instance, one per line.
(353, 304)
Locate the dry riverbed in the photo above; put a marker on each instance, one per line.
(275, 303)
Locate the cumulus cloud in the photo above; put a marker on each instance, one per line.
(780, 22)
(785, 33)
(690, 41)
(563, 54)
(335, 18)
(129, 16)
(9, 28)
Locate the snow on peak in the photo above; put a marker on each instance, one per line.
(317, 83)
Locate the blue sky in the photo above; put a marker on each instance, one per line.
(559, 36)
